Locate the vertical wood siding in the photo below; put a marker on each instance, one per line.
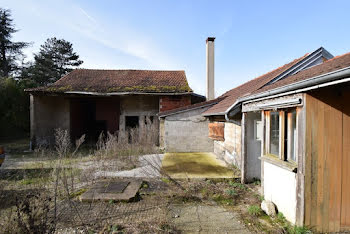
(327, 186)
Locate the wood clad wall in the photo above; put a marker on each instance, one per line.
(327, 186)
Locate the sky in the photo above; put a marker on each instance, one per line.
(252, 37)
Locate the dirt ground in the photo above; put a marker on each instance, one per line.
(163, 205)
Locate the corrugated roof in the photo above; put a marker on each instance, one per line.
(106, 81)
(247, 88)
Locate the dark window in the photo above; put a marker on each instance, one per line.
(131, 122)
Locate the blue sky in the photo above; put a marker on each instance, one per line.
(252, 37)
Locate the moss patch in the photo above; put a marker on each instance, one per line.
(195, 165)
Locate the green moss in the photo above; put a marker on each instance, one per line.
(60, 89)
(195, 165)
(150, 88)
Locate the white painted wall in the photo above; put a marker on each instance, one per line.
(280, 188)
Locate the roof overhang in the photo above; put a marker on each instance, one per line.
(111, 93)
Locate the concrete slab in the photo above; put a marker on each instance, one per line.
(116, 190)
(196, 218)
(149, 168)
(195, 165)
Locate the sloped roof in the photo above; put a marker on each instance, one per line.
(247, 88)
(336, 63)
(190, 107)
(108, 81)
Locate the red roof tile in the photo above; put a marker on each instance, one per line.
(139, 81)
(230, 97)
(190, 107)
(336, 63)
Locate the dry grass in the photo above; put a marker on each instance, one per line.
(58, 181)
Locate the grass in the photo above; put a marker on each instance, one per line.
(195, 165)
(254, 210)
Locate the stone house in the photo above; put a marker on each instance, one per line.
(88, 101)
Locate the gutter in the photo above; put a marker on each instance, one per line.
(316, 82)
(117, 93)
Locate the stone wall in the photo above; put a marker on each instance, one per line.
(187, 132)
(229, 149)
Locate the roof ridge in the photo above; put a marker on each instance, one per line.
(93, 69)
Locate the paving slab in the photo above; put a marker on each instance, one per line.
(199, 218)
(116, 190)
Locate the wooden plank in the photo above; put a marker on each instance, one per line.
(314, 161)
(345, 211)
(300, 157)
(319, 158)
(308, 161)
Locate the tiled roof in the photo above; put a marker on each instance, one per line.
(327, 66)
(190, 107)
(106, 81)
(247, 88)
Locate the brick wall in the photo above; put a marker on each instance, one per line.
(172, 102)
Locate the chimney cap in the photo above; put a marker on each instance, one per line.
(210, 39)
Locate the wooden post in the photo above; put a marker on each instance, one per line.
(281, 137)
(244, 149)
(263, 152)
(300, 157)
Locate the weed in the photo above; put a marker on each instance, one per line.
(220, 199)
(237, 185)
(289, 228)
(231, 192)
(166, 180)
(254, 210)
(78, 193)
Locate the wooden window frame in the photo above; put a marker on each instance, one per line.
(283, 156)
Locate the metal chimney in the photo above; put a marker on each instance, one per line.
(210, 68)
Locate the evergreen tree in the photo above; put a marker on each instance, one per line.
(10, 52)
(55, 59)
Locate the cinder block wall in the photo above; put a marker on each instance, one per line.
(187, 132)
(48, 113)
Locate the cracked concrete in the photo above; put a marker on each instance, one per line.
(199, 218)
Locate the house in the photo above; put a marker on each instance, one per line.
(89, 101)
(290, 128)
